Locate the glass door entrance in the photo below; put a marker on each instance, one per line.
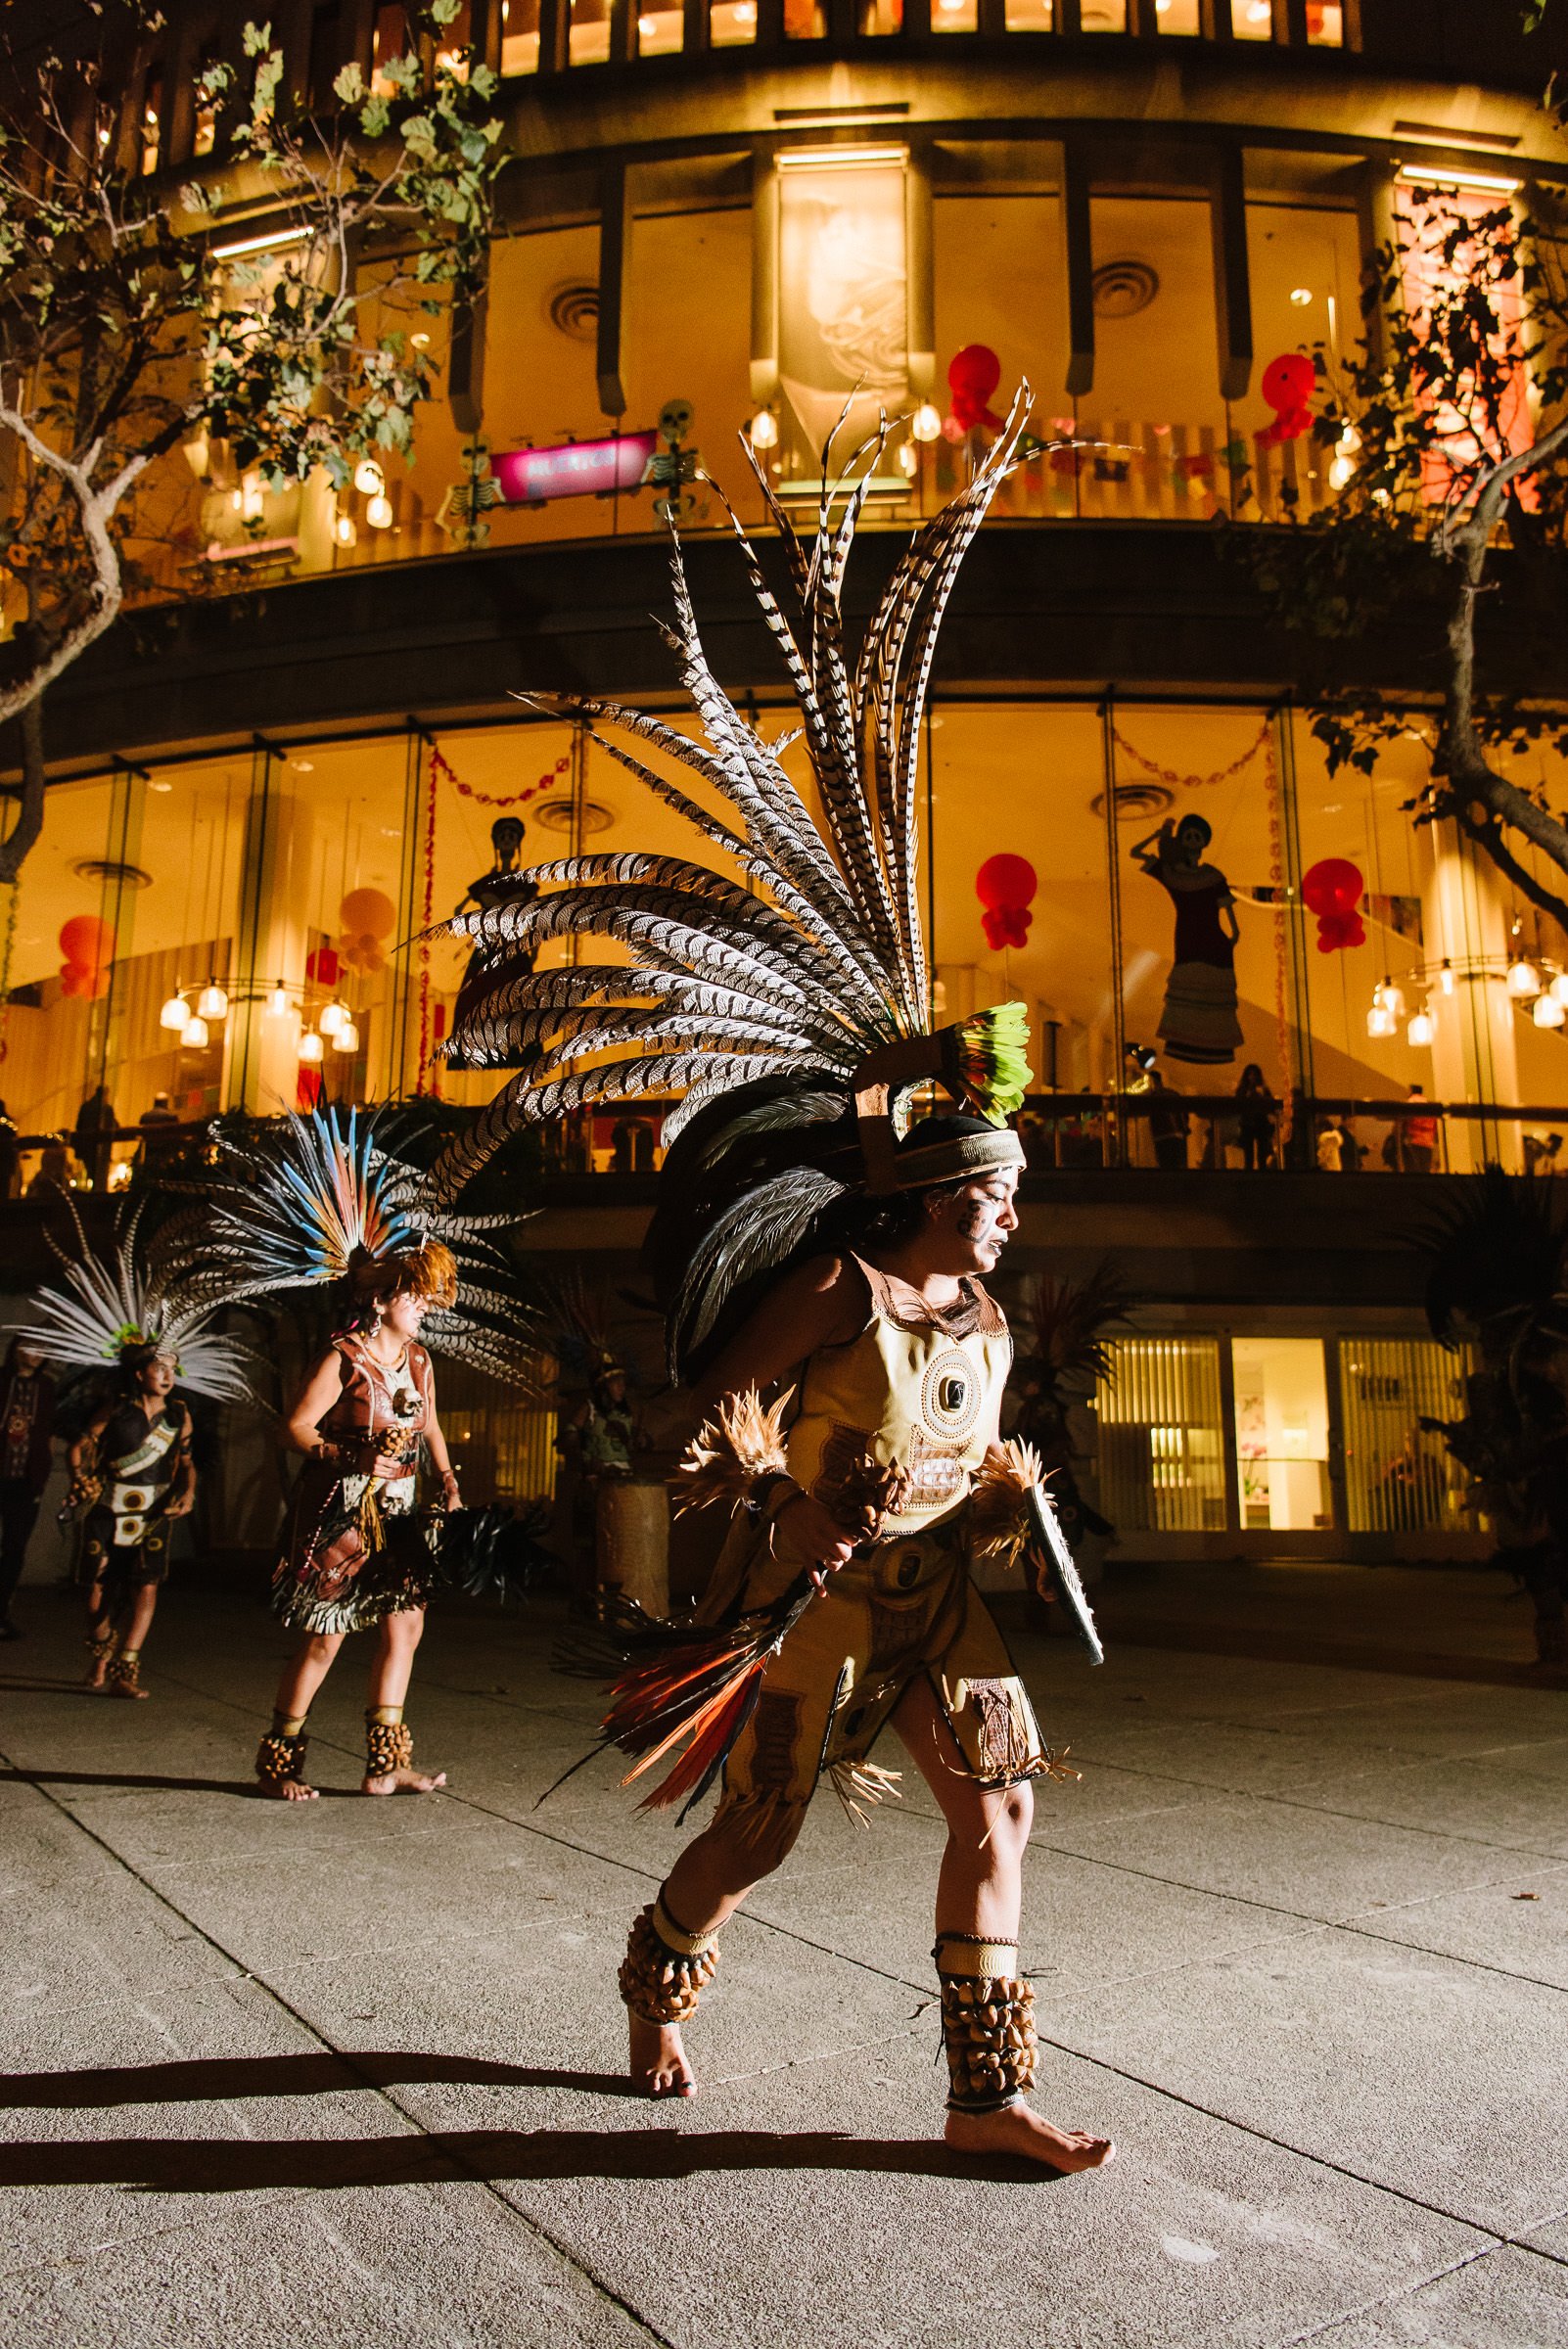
(1281, 1406)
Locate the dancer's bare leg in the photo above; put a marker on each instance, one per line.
(130, 1640)
(390, 1668)
(100, 1635)
(980, 1892)
(302, 1676)
(705, 1887)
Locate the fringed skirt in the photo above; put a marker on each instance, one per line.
(354, 1554)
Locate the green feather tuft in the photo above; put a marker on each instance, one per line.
(989, 1060)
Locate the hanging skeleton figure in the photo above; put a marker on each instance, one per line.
(313, 1202)
(145, 1317)
(812, 1244)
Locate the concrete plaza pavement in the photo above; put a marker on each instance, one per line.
(291, 2078)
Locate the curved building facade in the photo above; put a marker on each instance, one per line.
(740, 218)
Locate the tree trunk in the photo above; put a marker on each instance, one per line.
(23, 833)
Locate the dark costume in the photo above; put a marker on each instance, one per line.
(1198, 1022)
(124, 1534)
(26, 1423)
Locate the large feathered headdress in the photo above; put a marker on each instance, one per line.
(312, 1201)
(144, 1303)
(794, 1019)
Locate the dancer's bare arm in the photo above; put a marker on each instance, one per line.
(823, 1302)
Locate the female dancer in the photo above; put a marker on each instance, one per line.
(365, 1413)
(316, 1202)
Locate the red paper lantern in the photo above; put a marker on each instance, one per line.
(1332, 889)
(1288, 383)
(1006, 886)
(973, 374)
(88, 945)
(324, 967)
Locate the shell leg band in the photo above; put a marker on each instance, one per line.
(389, 1741)
(665, 1968)
(988, 2022)
(125, 1669)
(281, 1753)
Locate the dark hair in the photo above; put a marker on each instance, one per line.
(1190, 821)
(134, 1360)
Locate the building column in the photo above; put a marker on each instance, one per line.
(1474, 1048)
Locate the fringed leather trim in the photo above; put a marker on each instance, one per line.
(660, 1984)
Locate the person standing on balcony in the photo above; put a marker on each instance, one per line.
(1419, 1138)
(1256, 1123)
(1198, 1022)
(95, 1129)
(812, 1244)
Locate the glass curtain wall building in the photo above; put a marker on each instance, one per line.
(736, 220)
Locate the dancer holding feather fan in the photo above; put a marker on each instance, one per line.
(821, 1260)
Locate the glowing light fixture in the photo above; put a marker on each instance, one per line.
(1389, 998)
(273, 242)
(1445, 977)
(926, 423)
(1548, 1011)
(1560, 987)
(346, 530)
(764, 429)
(175, 1013)
(907, 459)
(1379, 1022)
(378, 514)
(1300, 295)
(193, 1035)
(278, 1002)
(1421, 1028)
(346, 1039)
(334, 1019)
(369, 478)
(648, 26)
(311, 1046)
(212, 1003)
(1523, 980)
(1434, 175)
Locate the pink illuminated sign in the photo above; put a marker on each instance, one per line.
(579, 468)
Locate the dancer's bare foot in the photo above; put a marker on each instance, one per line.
(658, 2065)
(403, 1782)
(97, 1673)
(1017, 2130)
(287, 1790)
(125, 1689)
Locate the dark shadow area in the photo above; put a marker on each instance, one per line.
(166, 2165)
(226, 2079)
(16, 1685)
(247, 1788)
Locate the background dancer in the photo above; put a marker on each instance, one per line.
(146, 1316)
(795, 1019)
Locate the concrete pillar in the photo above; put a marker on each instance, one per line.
(1474, 1050)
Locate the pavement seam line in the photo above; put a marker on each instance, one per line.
(596, 2283)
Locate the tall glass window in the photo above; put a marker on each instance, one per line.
(1160, 1438)
(1398, 1478)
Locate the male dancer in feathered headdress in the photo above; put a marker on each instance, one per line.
(816, 1246)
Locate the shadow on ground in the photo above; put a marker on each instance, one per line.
(230, 2167)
